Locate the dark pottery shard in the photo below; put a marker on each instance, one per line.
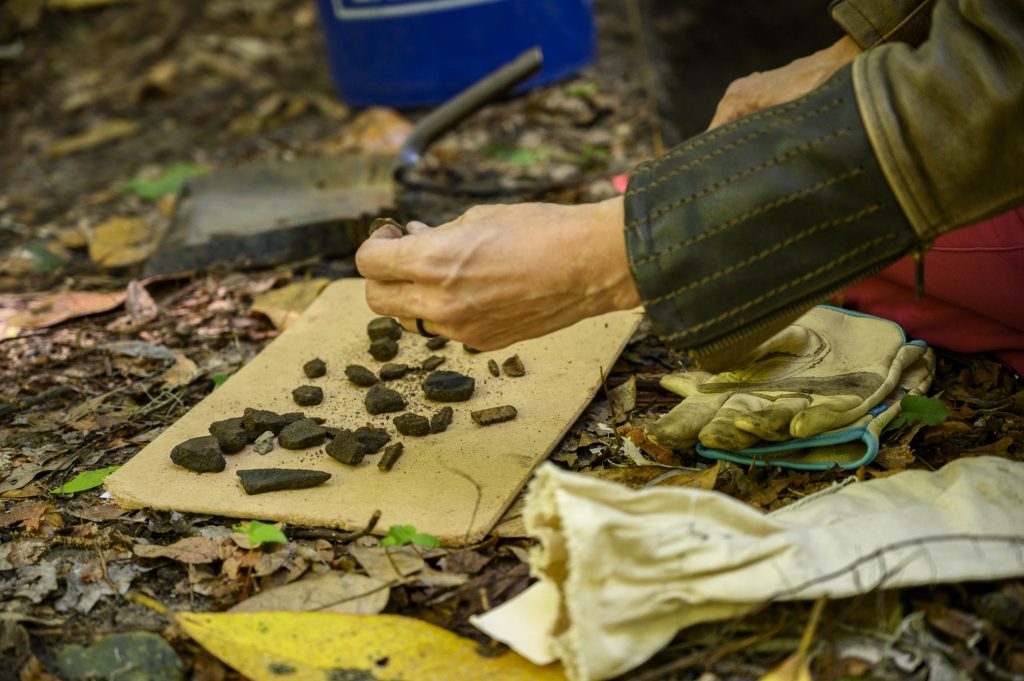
(200, 454)
(302, 434)
(432, 362)
(470, 349)
(391, 454)
(333, 432)
(436, 343)
(412, 424)
(261, 420)
(372, 438)
(383, 349)
(384, 327)
(487, 417)
(292, 417)
(260, 480)
(441, 419)
(360, 375)
(390, 372)
(308, 395)
(513, 366)
(231, 435)
(448, 386)
(492, 366)
(314, 368)
(346, 449)
(381, 400)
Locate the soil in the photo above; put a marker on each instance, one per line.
(488, 417)
(441, 419)
(261, 480)
(448, 386)
(513, 366)
(315, 368)
(383, 349)
(308, 395)
(200, 454)
(360, 375)
(381, 400)
(391, 372)
(384, 327)
(302, 434)
(390, 457)
(412, 424)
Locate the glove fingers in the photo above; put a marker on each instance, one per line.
(772, 422)
(722, 433)
(678, 429)
(685, 384)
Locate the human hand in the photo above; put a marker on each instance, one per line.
(763, 89)
(502, 273)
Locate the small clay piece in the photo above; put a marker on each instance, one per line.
(470, 349)
(448, 386)
(492, 366)
(302, 434)
(372, 438)
(384, 327)
(346, 449)
(412, 424)
(390, 372)
(391, 454)
(432, 362)
(381, 400)
(513, 366)
(200, 454)
(384, 222)
(383, 349)
(436, 343)
(441, 419)
(231, 435)
(292, 417)
(314, 368)
(260, 420)
(308, 395)
(487, 417)
(264, 444)
(360, 375)
(260, 480)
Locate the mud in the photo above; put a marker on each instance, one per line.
(360, 375)
(487, 417)
(412, 424)
(381, 400)
(448, 386)
(200, 454)
(314, 368)
(261, 480)
(308, 395)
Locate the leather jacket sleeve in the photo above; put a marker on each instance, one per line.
(736, 232)
(873, 22)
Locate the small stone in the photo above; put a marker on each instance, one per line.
(360, 375)
(487, 417)
(308, 395)
(390, 372)
(333, 432)
(492, 366)
(383, 349)
(436, 343)
(412, 424)
(448, 386)
(302, 434)
(231, 435)
(391, 454)
(470, 349)
(384, 327)
(260, 420)
(441, 419)
(200, 454)
(260, 480)
(346, 449)
(314, 368)
(513, 366)
(432, 362)
(264, 444)
(381, 400)
(372, 438)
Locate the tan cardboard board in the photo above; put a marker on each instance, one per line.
(453, 485)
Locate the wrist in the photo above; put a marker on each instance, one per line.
(610, 281)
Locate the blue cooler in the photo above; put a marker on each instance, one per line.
(406, 53)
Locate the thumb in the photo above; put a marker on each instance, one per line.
(415, 227)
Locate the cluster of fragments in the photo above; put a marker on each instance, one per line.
(294, 430)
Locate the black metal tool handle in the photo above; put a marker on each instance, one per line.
(466, 102)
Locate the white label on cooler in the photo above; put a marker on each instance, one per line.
(379, 9)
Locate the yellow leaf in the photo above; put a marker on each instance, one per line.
(101, 133)
(796, 667)
(321, 646)
(284, 305)
(120, 242)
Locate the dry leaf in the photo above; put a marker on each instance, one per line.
(375, 130)
(29, 513)
(191, 550)
(139, 304)
(623, 399)
(638, 477)
(120, 242)
(284, 305)
(331, 592)
(101, 133)
(182, 372)
(381, 564)
(36, 312)
(20, 552)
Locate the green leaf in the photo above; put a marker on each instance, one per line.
(914, 409)
(400, 535)
(85, 480)
(261, 533)
(425, 540)
(171, 182)
(218, 380)
(581, 90)
(518, 155)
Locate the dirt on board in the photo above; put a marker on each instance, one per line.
(107, 107)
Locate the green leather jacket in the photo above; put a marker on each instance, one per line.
(738, 231)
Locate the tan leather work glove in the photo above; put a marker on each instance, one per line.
(822, 372)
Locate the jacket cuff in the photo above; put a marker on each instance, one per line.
(738, 231)
(872, 22)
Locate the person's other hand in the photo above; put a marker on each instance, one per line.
(502, 273)
(763, 89)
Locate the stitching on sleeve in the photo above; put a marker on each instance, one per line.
(760, 210)
(789, 155)
(765, 253)
(779, 289)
